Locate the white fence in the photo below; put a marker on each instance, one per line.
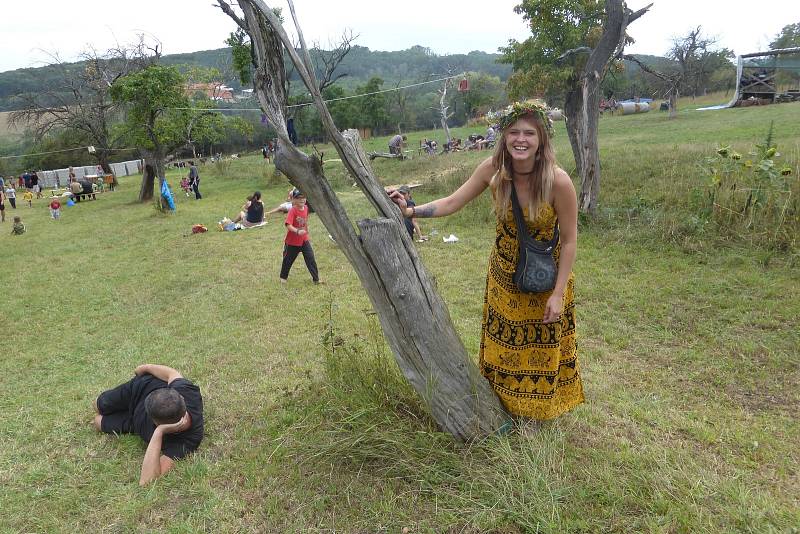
(60, 177)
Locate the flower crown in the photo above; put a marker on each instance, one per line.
(511, 114)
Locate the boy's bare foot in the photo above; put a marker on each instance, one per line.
(283, 281)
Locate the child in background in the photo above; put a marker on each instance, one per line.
(55, 208)
(296, 240)
(283, 206)
(19, 228)
(11, 195)
(27, 196)
(185, 185)
(38, 190)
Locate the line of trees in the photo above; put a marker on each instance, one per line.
(399, 111)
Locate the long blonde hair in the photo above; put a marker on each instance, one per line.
(540, 180)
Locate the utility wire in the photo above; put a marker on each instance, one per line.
(251, 109)
(332, 99)
(66, 150)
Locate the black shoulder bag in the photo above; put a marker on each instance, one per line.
(536, 269)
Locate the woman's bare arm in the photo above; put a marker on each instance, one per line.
(474, 186)
(566, 207)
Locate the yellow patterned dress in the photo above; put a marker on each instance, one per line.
(533, 367)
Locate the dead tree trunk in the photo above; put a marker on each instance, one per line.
(582, 106)
(673, 102)
(413, 316)
(443, 110)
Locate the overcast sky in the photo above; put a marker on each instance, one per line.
(457, 26)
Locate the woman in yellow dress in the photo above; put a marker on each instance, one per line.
(528, 349)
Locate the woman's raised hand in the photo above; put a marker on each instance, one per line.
(397, 197)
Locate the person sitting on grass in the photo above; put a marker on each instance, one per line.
(19, 227)
(283, 207)
(252, 213)
(163, 408)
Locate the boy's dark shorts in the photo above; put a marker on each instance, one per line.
(115, 407)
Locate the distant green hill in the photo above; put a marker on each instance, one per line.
(415, 64)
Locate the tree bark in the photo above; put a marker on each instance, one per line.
(573, 104)
(413, 316)
(148, 181)
(673, 103)
(153, 169)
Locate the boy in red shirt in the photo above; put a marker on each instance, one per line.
(55, 208)
(297, 238)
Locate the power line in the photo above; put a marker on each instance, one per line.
(66, 150)
(249, 109)
(332, 99)
(43, 153)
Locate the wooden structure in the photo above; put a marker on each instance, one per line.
(756, 74)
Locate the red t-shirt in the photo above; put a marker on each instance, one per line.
(299, 219)
(55, 205)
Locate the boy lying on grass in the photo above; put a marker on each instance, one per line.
(163, 408)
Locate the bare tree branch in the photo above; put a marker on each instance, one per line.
(80, 100)
(633, 15)
(570, 56)
(332, 59)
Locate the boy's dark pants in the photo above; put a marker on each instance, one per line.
(290, 253)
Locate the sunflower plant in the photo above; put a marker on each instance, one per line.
(753, 193)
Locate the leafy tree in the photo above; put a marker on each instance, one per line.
(205, 124)
(788, 37)
(240, 53)
(568, 55)
(485, 90)
(372, 109)
(77, 102)
(151, 97)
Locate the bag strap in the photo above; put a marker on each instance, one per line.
(522, 228)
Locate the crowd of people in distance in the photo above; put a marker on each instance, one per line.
(474, 142)
(28, 182)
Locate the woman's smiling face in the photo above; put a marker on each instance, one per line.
(522, 139)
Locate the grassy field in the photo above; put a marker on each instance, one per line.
(688, 333)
